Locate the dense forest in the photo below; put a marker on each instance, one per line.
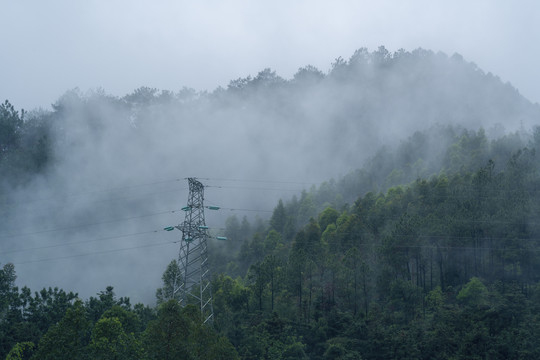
(426, 248)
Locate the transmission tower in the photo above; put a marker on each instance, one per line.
(194, 286)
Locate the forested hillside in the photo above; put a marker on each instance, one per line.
(420, 240)
(329, 123)
(445, 266)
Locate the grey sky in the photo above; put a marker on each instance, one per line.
(51, 46)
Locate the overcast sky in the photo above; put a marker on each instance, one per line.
(49, 47)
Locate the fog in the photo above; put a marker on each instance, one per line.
(240, 116)
(95, 216)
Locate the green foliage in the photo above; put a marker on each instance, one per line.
(279, 218)
(130, 322)
(95, 307)
(435, 299)
(273, 243)
(68, 338)
(166, 337)
(178, 333)
(272, 338)
(171, 283)
(7, 288)
(10, 128)
(25, 144)
(21, 351)
(474, 293)
(47, 307)
(338, 348)
(109, 340)
(327, 217)
(24, 319)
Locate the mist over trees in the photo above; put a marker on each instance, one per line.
(443, 267)
(343, 115)
(418, 238)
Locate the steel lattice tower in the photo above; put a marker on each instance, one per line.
(194, 286)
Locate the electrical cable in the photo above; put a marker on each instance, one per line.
(350, 242)
(72, 227)
(231, 209)
(164, 181)
(433, 247)
(461, 194)
(373, 246)
(261, 181)
(93, 253)
(251, 188)
(78, 242)
(249, 210)
(96, 191)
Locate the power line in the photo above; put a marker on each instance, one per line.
(65, 198)
(139, 195)
(78, 226)
(79, 242)
(157, 182)
(262, 181)
(460, 188)
(429, 236)
(72, 227)
(252, 188)
(226, 208)
(495, 194)
(248, 210)
(350, 243)
(108, 200)
(466, 221)
(96, 191)
(93, 253)
(433, 247)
